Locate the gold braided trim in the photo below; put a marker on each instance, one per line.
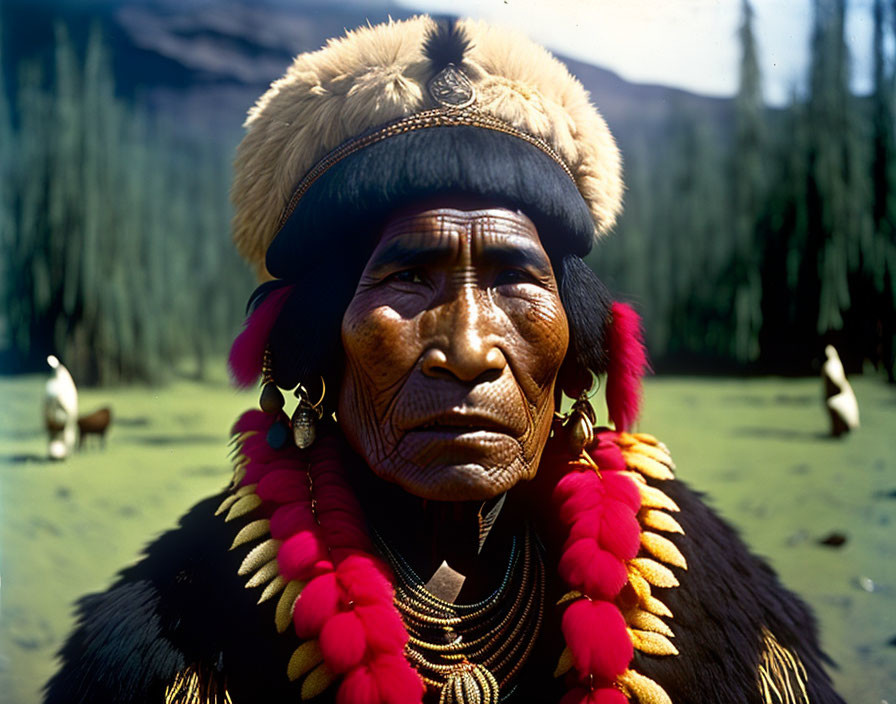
(437, 117)
(261, 570)
(782, 677)
(194, 686)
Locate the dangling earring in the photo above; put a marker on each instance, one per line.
(305, 417)
(579, 423)
(271, 402)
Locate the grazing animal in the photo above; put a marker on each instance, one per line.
(96, 423)
(60, 410)
(840, 399)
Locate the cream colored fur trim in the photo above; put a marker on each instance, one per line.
(377, 74)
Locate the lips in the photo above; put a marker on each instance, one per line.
(460, 422)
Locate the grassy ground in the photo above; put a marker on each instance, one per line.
(756, 447)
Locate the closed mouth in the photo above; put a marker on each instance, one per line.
(459, 423)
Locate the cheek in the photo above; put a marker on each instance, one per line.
(380, 351)
(542, 334)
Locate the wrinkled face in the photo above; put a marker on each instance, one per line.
(453, 341)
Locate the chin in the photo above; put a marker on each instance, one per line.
(459, 482)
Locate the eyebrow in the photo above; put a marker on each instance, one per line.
(520, 253)
(401, 252)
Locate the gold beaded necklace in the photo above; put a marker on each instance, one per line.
(470, 651)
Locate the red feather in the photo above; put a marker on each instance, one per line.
(597, 573)
(607, 695)
(343, 641)
(622, 488)
(620, 532)
(596, 635)
(577, 695)
(247, 352)
(299, 554)
(604, 695)
(358, 687)
(577, 492)
(384, 628)
(364, 581)
(283, 485)
(606, 453)
(396, 680)
(252, 420)
(628, 363)
(292, 518)
(318, 602)
(585, 525)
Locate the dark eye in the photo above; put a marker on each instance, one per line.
(509, 277)
(407, 276)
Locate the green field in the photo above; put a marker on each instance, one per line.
(756, 447)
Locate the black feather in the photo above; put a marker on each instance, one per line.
(446, 44)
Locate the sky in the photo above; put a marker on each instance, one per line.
(692, 44)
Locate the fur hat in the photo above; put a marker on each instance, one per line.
(398, 111)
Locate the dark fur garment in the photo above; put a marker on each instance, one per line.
(183, 606)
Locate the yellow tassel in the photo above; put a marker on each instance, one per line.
(273, 588)
(226, 504)
(646, 621)
(286, 604)
(649, 439)
(243, 506)
(569, 596)
(317, 681)
(654, 452)
(639, 584)
(659, 520)
(658, 575)
(652, 643)
(643, 689)
(238, 476)
(305, 657)
(245, 490)
(564, 664)
(651, 497)
(635, 477)
(647, 466)
(655, 606)
(260, 555)
(264, 574)
(663, 549)
(251, 531)
(625, 440)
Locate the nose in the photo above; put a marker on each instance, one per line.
(465, 342)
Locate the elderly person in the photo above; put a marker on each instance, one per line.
(423, 525)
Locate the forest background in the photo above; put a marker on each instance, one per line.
(752, 236)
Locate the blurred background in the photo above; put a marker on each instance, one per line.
(759, 216)
(759, 145)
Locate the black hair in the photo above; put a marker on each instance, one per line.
(357, 195)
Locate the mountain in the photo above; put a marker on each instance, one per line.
(203, 63)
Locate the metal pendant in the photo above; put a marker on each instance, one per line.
(580, 425)
(305, 417)
(470, 684)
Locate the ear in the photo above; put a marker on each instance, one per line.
(247, 353)
(627, 365)
(572, 379)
